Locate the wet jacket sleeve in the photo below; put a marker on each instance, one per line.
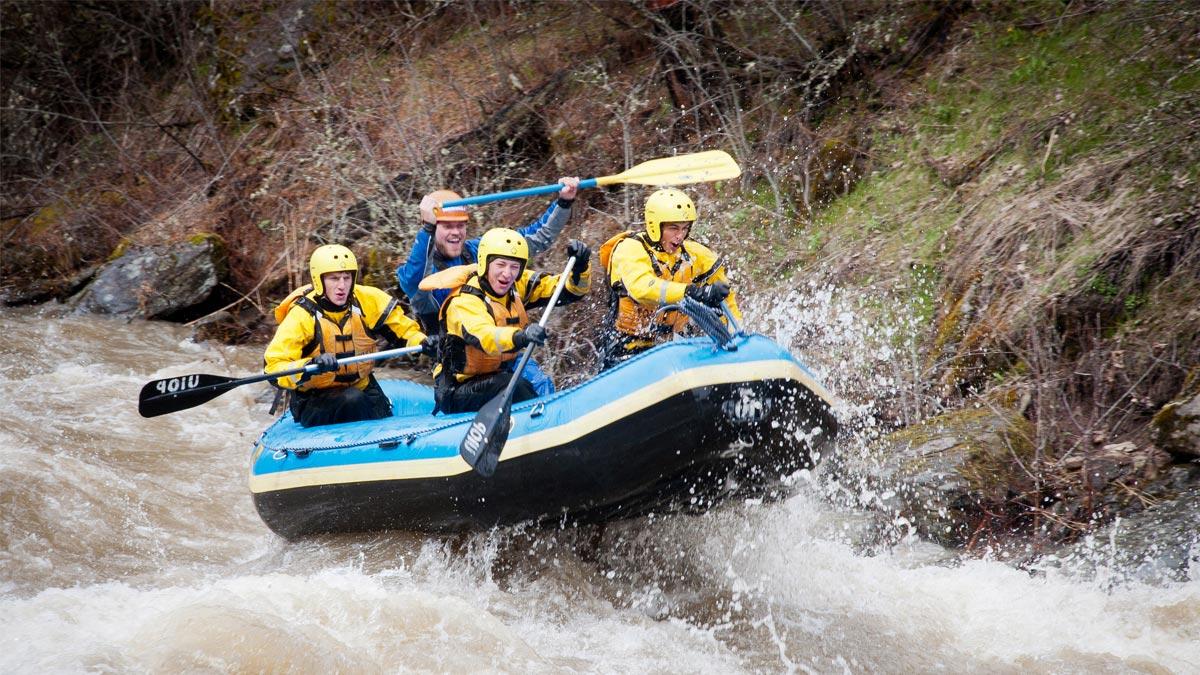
(704, 260)
(631, 266)
(395, 324)
(285, 350)
(541, 233)
(537, 287)
(412, 271)
(468, 318)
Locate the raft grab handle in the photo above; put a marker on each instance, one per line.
(708, 319)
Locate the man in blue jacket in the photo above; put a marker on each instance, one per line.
(442, 242)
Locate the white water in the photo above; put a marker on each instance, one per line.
(132, 545)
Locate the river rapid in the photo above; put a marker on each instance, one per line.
(132, 545)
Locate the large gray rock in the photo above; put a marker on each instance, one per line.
(156, 281)
(946, 474)
(1177, 425)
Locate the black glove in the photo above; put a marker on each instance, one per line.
(710, 295)
(430, 345)
(534, 333)
(582, 254)
(326, 363)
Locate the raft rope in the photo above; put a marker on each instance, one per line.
(408, 437)
(707, 319)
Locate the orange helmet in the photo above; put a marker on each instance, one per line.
(436, 213)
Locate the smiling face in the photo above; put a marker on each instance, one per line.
(673, 235)
(502, 273)
(337, 286)
(449, 237)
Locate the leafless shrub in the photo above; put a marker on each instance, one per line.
(1077, 260)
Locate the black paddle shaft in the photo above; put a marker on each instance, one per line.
(488, 432)
(172, 394)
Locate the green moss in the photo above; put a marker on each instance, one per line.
(1134, 302)
(1041, 101)
(219, 248)
(891, 208)
(739, 217)
(1172, 422)
(48, 217)
(950, 328)
(1031, 82)
(377, 268)
(1104, 287)
(1033, 67)
(945, 113)
(815, 240)
(210, 237)
(122, 247)
(988, 442)
(926, 280)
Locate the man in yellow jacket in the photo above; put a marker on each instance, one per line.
(330, 319)
(484, 321)
(657, 267)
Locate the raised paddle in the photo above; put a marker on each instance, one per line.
(173, 394)
(698, 167)
(489, 430)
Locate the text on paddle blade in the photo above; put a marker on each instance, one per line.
(474, 440)
(176, 384)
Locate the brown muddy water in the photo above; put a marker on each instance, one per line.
(132, 545)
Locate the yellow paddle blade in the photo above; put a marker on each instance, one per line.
(697, 167)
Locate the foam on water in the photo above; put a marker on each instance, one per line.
(94, 492)
(912, 608)
(340, 618)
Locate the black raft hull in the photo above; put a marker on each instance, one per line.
(710, 427)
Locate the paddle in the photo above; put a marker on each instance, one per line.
(173, 394)
(489, 430)
(698, 167)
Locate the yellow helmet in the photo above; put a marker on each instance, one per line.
(330, 258)
(667, 206)
(438, 213)
(501, 241)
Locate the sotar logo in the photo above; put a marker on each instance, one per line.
(748, 408)
(177, 384)
(474, 439)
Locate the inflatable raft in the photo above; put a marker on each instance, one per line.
(678, 427)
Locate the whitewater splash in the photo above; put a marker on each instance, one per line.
(132, 545)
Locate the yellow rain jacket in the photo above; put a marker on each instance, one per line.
(479, 327)
(306, 330)
(643, 277)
